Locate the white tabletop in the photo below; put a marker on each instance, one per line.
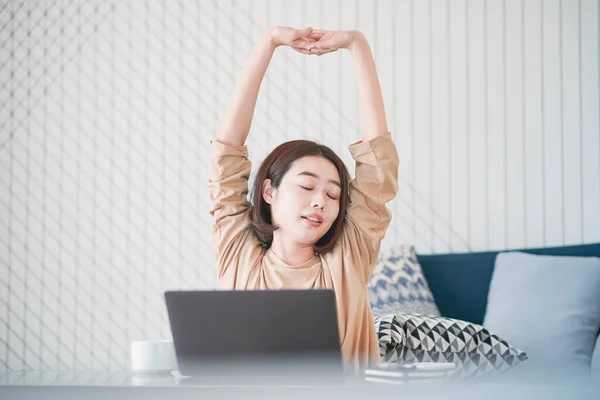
(126, 385)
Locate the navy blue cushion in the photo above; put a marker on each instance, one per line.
(460, 282)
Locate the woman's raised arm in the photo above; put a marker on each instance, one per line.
(370, 100)
(238, 117)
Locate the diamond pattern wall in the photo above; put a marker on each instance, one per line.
(101, 172)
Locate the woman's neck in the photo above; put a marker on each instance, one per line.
(292, 253)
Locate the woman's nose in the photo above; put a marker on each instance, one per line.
(318, 201)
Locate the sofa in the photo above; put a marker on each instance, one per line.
(499, 295)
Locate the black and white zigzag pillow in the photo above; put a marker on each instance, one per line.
(409, 338)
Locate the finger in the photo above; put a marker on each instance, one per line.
(308, 53)
(319, 47)
(320, 52)
(323, 44)
(316, 36)
(328, 51)
(299, 33)
(301, 50)
(302, 42)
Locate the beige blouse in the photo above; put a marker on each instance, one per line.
(244, 264)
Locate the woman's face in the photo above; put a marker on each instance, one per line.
(307, 201)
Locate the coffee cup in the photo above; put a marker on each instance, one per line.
(152, 356)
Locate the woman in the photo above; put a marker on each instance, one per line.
(308, 226)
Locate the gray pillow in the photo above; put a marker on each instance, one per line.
(548, 306)
(596, 361)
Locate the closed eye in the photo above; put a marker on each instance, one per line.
(310, 189)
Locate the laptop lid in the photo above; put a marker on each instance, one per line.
(255, 331)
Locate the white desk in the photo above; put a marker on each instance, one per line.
(126, 385)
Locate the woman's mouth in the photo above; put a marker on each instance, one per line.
(312, 221)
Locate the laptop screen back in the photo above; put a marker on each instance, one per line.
(220, 331)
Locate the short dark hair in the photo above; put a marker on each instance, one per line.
(274, 167)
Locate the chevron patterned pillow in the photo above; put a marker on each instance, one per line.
(398, 286)
(408, 338)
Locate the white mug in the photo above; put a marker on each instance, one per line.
(152, 356)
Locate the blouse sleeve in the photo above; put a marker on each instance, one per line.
(367, 218)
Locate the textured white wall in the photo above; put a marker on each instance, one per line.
(107, 109)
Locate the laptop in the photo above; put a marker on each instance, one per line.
(256, 335)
